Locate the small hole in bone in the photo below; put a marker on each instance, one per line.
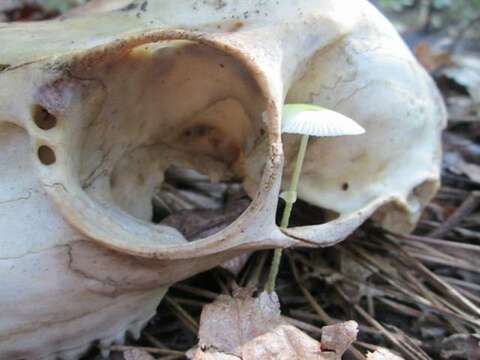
(46, 155)
(345, 186)
(43, 119)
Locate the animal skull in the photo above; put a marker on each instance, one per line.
(96, 106)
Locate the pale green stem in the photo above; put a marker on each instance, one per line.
(287, 211)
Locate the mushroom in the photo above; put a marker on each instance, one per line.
(96, 107)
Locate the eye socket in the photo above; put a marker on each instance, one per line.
(43, 118)
(46, 155)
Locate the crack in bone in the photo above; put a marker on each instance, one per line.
(20, 198)
(110, 286)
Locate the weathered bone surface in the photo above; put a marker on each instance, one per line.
(95, 107)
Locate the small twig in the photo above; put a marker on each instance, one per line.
(220, 282)
(367, 346)
(388, 335)
(461, 284)
(438, 242)
(183, 315)
(188, 302)
(311, 300)
(390, 277)
(318, 309)
(314, 317)
(452, 262)
(420, 295)
(467, 207)
(257, 270)
(153, 340)
(210, 295)
(151, 350)
(439, 284)
(303, 325)
(412, 343)
(401, 308)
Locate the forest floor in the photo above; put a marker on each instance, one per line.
(418, 295)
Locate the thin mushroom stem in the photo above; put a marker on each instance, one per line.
(308, 120)
(290, 199)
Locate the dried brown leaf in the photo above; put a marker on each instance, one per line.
(289, 343)
(284, 342)
(430, 59)
(338, 338)
(229, 322)
(248, 328)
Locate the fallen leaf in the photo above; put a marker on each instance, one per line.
(248, 328)
(383, 354)
(137, 354)
(430, 59)
(229, 322)
(288, 343)
(338, 338)
(284, 342)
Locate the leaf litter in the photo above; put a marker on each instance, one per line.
(245, 327)
(417, 295)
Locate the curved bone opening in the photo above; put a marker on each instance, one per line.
(168, 105)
